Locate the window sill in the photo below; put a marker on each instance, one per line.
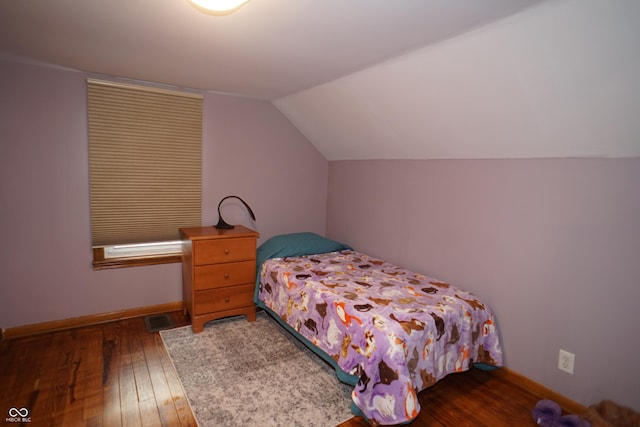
(100, 263)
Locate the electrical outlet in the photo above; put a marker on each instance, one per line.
(566, 361)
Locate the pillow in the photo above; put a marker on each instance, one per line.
(297, 244)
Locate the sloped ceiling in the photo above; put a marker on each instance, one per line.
(375, 78)
(267, 49)
(558, 80)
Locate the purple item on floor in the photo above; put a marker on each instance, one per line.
(546, 412)
(571, 421)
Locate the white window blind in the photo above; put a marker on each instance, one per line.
(145, 149)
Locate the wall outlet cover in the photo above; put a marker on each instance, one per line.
(566, 361)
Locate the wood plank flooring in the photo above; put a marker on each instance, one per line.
(480, 399)
(114, 374)
(118, 374)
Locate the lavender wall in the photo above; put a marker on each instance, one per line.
(252, 150)
(552, 245)
(45, 265)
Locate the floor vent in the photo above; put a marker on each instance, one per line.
(158, 322)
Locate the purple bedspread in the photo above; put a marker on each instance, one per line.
(396, 330)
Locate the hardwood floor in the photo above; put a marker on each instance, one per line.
(478, 398)
(118, 374)
(114, 374)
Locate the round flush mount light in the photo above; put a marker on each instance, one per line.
(218, 7)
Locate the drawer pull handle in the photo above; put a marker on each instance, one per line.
(226, 251)
(226, 275)
(226, 299)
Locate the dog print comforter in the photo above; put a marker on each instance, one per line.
(399, 332)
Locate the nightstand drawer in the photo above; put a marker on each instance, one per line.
(227, 274)
(223, 298)
(224, 250)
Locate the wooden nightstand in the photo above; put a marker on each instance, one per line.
(218, 273)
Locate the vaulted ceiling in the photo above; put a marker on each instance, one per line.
(376, 78)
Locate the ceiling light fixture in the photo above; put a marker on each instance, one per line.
(218, 7)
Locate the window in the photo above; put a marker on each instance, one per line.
(145, 158)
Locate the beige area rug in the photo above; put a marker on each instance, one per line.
(237, 373)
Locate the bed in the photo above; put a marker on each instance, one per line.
(386, 330)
